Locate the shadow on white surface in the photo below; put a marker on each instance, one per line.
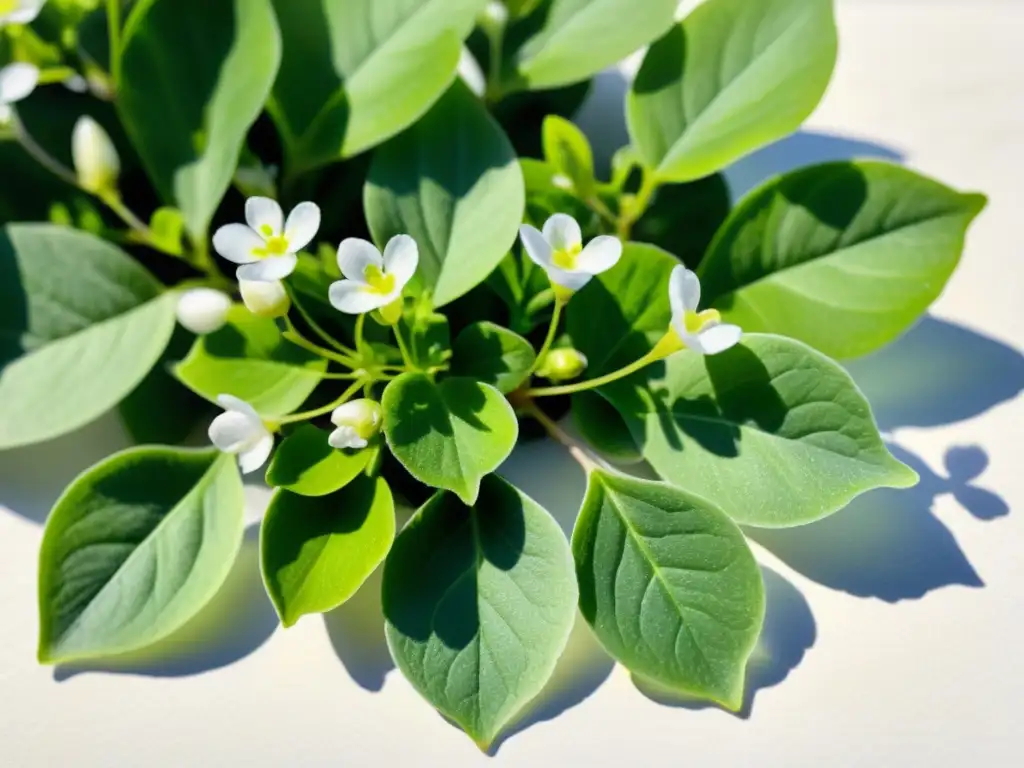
(237, 621)
(356, 631)
(789, 632)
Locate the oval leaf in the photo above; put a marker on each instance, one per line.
(448, 435)
(250, 359)
(81, 324)
(316, 552)
(356, 72)
(843, 256)
(669, 585)
(196, 74)
(306, 464)
(567, 150)
(134, 548)
(571, 40)
(775, 432)
(493, 355)
(731, 78)
(479, 603)
(464, 204)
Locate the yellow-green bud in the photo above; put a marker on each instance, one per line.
(97, 164)
(562, 364)
(265, 299)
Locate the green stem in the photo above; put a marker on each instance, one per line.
(296, 338)
(51, 75)
(358, 333)
(648, 187)
(556, 315)
(316, 328)
(114, 33)
(597, 205)
(496, 38)
(575, 449)
(406, 357)
(306, 415)
(651, 357)
(39, 154)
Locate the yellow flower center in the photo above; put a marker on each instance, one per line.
(8, 6)
(565, 258)
(378, 281)
(276, 245)
(697, 321)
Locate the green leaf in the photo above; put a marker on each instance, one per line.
(570, 40)
(775, 432)
(684, 218)
(493, 355)
(462, 204)
(250, 359)
(669, 585)
(479, 603)
(843, 256)
(731, 78)
(428, 334)
(567, 150)
(196, 74)
(134, 548)
(166, 226)
(448, 434)
(357, 72)
(81, 324)
(620, 315)
(316, 552)
(306, 464)
(603, 428)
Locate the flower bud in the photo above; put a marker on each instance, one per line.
(203, 310)
(265, 299)
(96, 162)
(357, 421)
(562, 364)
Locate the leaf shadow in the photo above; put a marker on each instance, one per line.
(238, 620)
(356, 632)
(789, 631)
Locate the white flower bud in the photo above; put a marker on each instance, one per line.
(562, 364)
(203, 310)
(96, 162)
(356, 421)
(266, 299)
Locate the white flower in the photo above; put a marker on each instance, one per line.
(356, 421)
(266, 299)
(16, 82)
(241, 431)
(203, 310)
(95, 158)
(559, 251)
(267, 246)
(19, 11)
(703, 332)
(373, 281)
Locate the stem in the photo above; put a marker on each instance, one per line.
(550, 338)
(496, 38)
(114, 33)
(306, 415)
(316, 328)
(39, 154)
(296, 338)
(114, 203)
(651, 357)
(597, 205)
(648, 187)
(574, 448)
(406, 358)
(358, 332)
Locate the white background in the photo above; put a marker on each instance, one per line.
(894, 628)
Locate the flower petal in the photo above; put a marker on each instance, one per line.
(355, 255)
(571, 280)
(234, 431)
(536, 247)
(401, 257)
(602, 253)
(562, 232)
(17, 81)
(263, 212)
(236, 242)
(352, 413)
(353, 298)
(718, 338)
(232, 403)
(346, 437)
(302, 225)
(26, 12)
(268, 270)
(256, 456)
(683, 292)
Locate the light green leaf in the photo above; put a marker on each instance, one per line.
(570, 40)
(81, 324)
(196, 74)
(479, 603)
(843, 256)
(357, 72)
(547, 193)
(448, 434)
(567, 150)
(603, 428)
(316, 552)
(620, 315)
(306, 464)
(669, 585)
(493, 355)
(249, 358)
(731, 78)
(775, 432)
(134, 548)
(452, 182)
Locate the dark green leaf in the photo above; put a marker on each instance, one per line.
(493, 355)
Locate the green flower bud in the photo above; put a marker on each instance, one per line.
(562, 364)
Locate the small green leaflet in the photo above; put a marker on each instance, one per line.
(567, 150)
(306, 464)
